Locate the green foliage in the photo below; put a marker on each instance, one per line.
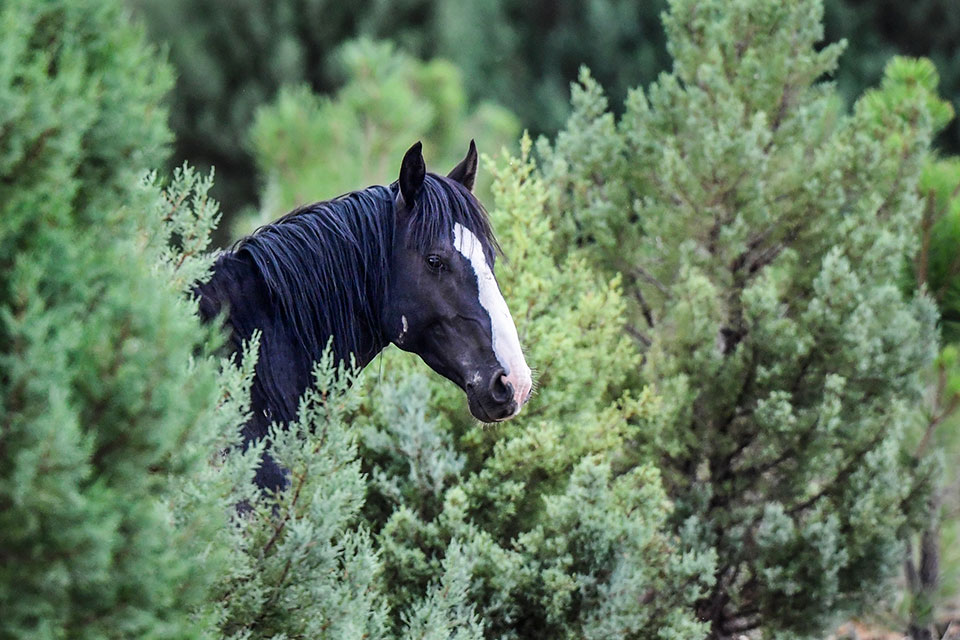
(525, 54)
(560, 526)
(233, 58)
(759, 231)
(202, 498)
(79, 111)
(311, 147)
(937, 265)
(936, 270)
(230, 59)
(100, 393)
(121, 469)
(878, 30)
(306, 571)
(446, 614)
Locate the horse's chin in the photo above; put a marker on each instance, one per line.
(491, 415)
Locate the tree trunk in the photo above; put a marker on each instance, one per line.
(923, 582)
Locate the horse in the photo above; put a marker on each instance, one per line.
(411, 264)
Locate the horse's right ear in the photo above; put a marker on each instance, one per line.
(412, 172)
(466, 172)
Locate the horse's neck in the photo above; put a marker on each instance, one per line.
(284, 367)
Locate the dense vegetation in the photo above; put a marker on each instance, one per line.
(741, 295)
(232, 59)
(99, 386)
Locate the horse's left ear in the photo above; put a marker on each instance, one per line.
(412, 172)
(466, 172)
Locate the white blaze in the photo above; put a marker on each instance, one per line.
(506, 343)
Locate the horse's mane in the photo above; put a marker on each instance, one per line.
(326, 264)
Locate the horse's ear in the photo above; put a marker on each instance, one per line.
(412, 172)
(466, 172)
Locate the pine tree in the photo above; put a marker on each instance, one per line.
(100, 394)
(760, 232)
(937, 265)
(307, 571)
(879, 30)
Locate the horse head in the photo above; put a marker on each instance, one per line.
(444, 303)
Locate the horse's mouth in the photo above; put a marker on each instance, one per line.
(500, 413)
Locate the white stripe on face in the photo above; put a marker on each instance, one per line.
(506, 343)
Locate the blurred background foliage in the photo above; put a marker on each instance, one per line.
(389, 99)
(233, 57)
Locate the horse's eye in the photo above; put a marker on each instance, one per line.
(434, 262)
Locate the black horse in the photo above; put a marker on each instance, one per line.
(411, 263)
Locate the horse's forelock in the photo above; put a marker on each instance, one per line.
(443, 203)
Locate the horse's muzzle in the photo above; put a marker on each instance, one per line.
(491, 397)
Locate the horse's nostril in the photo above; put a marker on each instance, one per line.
(501, 391)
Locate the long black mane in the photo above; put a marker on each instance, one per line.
(321, 273)
(325, 265)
